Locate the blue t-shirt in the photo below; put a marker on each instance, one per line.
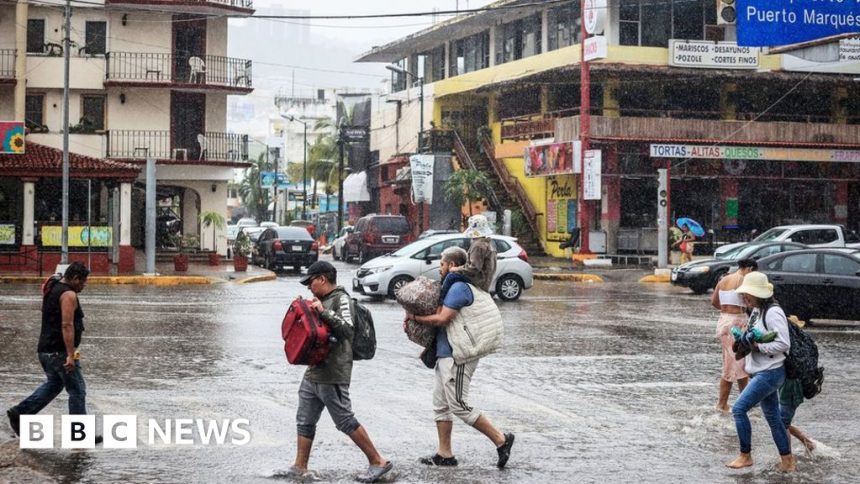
(459, 296)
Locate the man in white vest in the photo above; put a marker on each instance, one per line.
(470, 327)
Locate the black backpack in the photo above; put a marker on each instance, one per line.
(364, 339)
(801, 361)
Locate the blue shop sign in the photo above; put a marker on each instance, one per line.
(768, 23)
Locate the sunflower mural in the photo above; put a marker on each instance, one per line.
(11, 137)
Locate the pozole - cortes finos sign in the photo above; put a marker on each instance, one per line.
(752, 153)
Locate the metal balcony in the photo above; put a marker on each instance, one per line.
(200, 7)
(207, 72)
(136, 144)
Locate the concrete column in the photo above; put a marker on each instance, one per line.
(840, 208)
(544, 99)
(544, 31)
(125, 214)
(492, 49)
(447, 72)
(21, 13)
(728, 108)
(729, 201)
(610, 102)
(126, 251)
(28, 237)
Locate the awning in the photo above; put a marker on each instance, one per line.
(355, 188)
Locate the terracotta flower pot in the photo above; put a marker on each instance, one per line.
(214, 259)
(240, 263)
(180, 263)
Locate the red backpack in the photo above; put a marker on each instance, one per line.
(306, 338)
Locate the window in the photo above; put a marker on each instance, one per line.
(431, 65)
(470, 54)
(35, 36)
(628, 22)
(564, 27)
(840, 265)
(501, 246)
(435, 251)
(799, 263)
(653, 22)
(398, 79)
(518, 39)
(34, 109)
(93, 112)
(96, 37)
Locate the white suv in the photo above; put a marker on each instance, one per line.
(383, 275)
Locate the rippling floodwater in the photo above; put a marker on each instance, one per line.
(613, 382)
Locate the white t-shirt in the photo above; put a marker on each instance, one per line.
(769, 355)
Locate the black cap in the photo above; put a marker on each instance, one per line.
(318, 268)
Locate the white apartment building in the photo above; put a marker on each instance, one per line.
(149, 79)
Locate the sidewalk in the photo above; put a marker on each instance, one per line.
(198, 273)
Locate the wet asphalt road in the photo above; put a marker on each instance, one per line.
(610, 382)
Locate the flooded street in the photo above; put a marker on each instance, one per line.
(611, 382)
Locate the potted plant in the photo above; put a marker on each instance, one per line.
(184, 244)
(217, 222)
(241, 251)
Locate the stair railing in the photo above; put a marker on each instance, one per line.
(466, 160)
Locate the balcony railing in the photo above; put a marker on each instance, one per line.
(7, 63)
(186, 70)
(143, 144)
(187, 5)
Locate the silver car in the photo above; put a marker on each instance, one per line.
(386, 274)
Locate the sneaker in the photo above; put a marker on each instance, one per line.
(438, 460)
(373, 473)
(505, 451)
(14, 420)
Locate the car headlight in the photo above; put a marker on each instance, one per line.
(700, 269)
(377, 270)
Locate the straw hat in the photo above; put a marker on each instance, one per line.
(478, 226)
(755, 284)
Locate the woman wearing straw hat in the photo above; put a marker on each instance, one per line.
(765, 364)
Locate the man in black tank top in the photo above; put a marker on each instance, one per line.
(62, 325)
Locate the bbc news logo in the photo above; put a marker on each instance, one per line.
(121, 431)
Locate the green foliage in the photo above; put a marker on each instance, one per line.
(216, 221)
(242, 244)
(185, 243)
(254, 197)
(519, 224)
(467, 186)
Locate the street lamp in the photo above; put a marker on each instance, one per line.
(420, 79)
(290, 117)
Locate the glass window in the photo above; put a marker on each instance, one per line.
(840, 265)
(96, 37)
(564, 26)
(656, 23)
(799, 263)
(471, 53)
(35, 36)
(93, 112)
(398, 79)
(8, 199)
(34, 109)
(530, 36)
(435, 251)
(688, 19)
(826, 236)
(501, 246)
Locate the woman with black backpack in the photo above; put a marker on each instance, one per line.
(765, 363)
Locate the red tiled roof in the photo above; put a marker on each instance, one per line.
(43, 161)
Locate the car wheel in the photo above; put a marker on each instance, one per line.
(509, 287)
(699, 289)
(362, 257)
(334, 253)
(396, 284)
(267, 262)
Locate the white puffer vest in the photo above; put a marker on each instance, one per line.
(477, 330)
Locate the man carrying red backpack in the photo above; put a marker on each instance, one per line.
(326, 385)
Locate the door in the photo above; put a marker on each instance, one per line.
(433, 255)
(188, 125)
(189, 40)
(795, 283)
(841, 291)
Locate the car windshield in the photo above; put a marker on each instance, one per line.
(410, 249)
(744, 252)
(771, 234)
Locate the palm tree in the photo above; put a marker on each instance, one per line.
(216, 220)
(466, 186)
(321, 156)
(254, 197)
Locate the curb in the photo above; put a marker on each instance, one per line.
(549, 276)
(656, 278)
(271, 276)
(138, 280)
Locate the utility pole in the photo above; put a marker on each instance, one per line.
(64, 251)
(275, 188)
(584, 126)
(340, 141)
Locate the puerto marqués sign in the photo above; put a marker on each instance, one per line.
(770, 23)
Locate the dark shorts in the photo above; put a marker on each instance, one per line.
(313, 397)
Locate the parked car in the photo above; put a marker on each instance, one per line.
(254, 234)
(247, 222)
(384, 275)
(821, 235)
(375, 235)
(287, 246)
(432, 232)
(816, 283)
(307, 224)
(701, 275)
(269, 224)
(338, 243)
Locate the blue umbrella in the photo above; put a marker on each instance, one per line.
(695, 227)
